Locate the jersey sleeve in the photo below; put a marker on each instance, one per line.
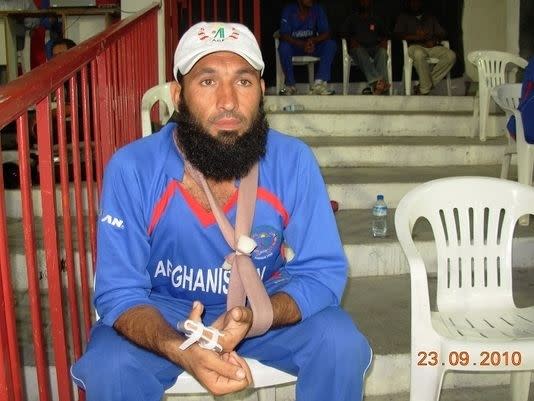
(322, 21)
(285, 22)
(122, 280)
(317, 274)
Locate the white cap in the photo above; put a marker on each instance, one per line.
(209, 37)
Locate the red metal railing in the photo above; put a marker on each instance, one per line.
(78, 109)
(181, 14)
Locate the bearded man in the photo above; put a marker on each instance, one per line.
(166, 299)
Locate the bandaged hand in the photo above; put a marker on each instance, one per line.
(234, 326)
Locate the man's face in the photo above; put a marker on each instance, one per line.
(306, 3)
(222, 128)
(415, 5)
(365, 4)
(223, 92)
(58, 49)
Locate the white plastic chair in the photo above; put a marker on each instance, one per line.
(507, 97)
(492, 69)
(348, 62)
(408, 65)
(156, 93)
(477, 326)
(297, 60)
(265, 379)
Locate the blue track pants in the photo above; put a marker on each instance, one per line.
(325, 50)
(326, 351)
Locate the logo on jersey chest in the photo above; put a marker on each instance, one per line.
(268, 240)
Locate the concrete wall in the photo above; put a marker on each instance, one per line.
(485, 27)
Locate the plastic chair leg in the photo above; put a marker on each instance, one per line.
(483, 114)
(346, 75)
(266, 394)
(520, 385)
(425, 383)
(524, 173)
(311, 73)
(408, 81)
(505, 168)
(449, 85)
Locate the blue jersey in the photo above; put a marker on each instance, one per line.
(301, 28)
(158, 246)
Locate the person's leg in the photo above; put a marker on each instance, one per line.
(446, 58)
(381, 60)
(361, 56)
(326, 51)
(419, 55)
(115, 369)
(286, 52)
(326, 351)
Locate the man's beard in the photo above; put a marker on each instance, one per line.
(226, 157)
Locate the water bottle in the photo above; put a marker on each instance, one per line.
(379, 227)
(293, 107)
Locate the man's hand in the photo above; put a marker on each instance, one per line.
(234, 325)
(354, 44)
(309, 47)
(219, 373)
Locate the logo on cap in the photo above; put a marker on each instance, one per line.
(219, 34)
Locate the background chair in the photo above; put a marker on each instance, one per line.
(159, 93)
(477, 326)
(348, 62)
(507, 97)
(408, 64)
(492, 69)
(297, 60)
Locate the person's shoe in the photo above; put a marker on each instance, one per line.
(288, 91)
(417, 91)
(320, 88)
(367, 91)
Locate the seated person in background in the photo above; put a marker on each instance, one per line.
(526, 105)
(423, 33)
(61, 45)
(304, 30)
(366, 36)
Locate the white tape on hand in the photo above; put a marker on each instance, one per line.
(196, 332)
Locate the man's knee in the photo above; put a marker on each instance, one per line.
(451, 56)
(285, 50)
(417, 53)
(335, 332)
(330, 46)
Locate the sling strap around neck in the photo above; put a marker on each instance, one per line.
(245, 282)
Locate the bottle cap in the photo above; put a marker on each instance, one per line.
(380, 197)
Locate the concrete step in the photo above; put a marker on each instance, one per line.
(357, 187)
(369, 115)
(405, 151)
(356, 103)
(369, 256)
(387, 123)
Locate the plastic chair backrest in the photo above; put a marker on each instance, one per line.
(157, 93)
(507, 97)
(473, 220)
(492, 65)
